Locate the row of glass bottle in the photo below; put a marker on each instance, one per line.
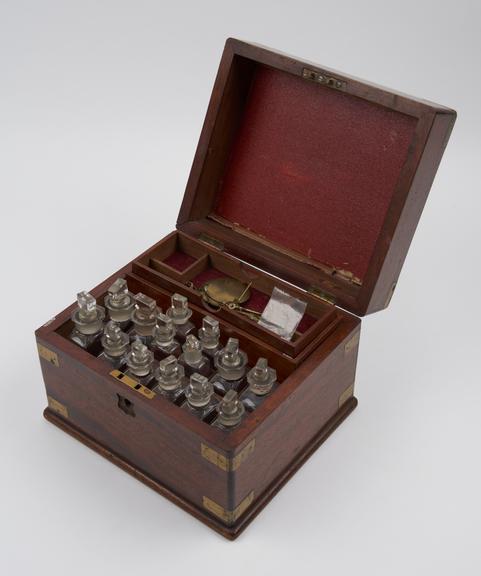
(193, 372)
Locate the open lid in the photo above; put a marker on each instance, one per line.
(311, 175)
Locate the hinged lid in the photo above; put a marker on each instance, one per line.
(313, 176)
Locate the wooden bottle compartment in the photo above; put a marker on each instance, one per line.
(223, 478)
(182, 264)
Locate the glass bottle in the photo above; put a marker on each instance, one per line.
(209, 336)
(119, 303)
(180, 314)
(164, 343)
(230, 411)
(144, 317)
(170, 379)
(192, 358)
(140, 361)
(88, 318)
(201, 400)
(231, 366)
(262, 380)
(115, 344)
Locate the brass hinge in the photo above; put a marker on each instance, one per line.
(57, 407)
(48, 355)
(228, 516)
(223, 462)
(217, 244)
(132, 383)
(318, 293)
(323, 78)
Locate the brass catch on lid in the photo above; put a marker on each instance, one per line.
(323, 78)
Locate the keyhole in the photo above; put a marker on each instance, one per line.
(125, 405)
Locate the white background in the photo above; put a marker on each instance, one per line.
(101, 106)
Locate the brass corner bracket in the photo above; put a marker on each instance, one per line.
(228, 516)
(223, 462)
(48, 355)
(57, 407)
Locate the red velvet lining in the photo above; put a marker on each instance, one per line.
(306, 322)
(314, 170)
(179, 261)
(257, 301)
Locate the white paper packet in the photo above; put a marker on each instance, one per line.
(282, 314)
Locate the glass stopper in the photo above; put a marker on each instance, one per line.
(140, 358)
(169, 373)
(114, 341)
(199, 391)
(230, 409)
(261, 378)
(192, 350)
(88, 317)
(230, 354)
(231, 362)
(179, 310)
(145, 306)
(87, 305)
(112, 332)
(209, 333)
(119, 292)
(164, 331)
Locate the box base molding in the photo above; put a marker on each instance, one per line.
(229, 532)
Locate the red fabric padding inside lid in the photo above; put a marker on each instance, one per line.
(313, 169)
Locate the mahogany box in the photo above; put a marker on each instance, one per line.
(304, 179)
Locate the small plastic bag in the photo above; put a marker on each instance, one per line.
(282, 314)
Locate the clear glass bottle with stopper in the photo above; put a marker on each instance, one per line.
(192, 358)
(231, 366)
(140, 362)
(170, 379)
(209, 336)
(201, 400)
(119, 303)
(180, 314)
(262, 381)
(144, 317)
(230, 412)
(88, 318)
(115, 344)
(164, 343)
